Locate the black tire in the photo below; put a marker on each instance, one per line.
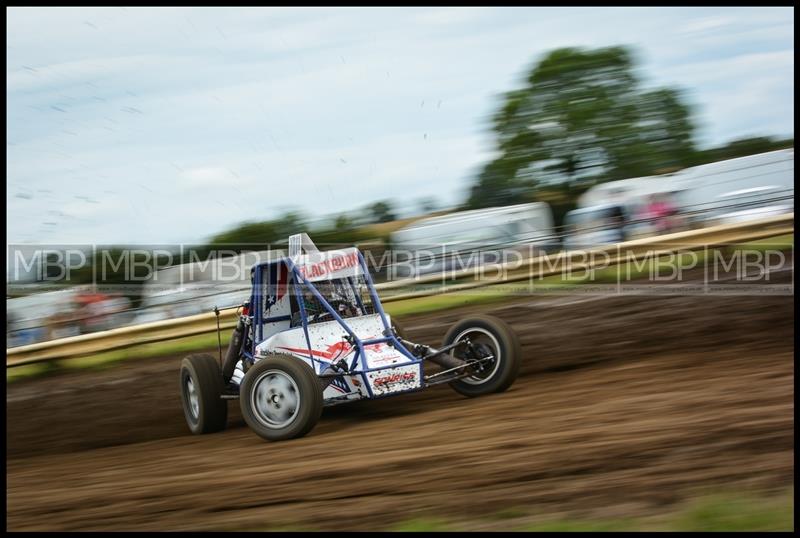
(496, 335)
(201, 382)
(289, 380)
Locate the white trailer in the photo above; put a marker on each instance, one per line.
(450, 242)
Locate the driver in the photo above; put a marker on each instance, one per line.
(316, 312)
(312, 307)
(342, 302)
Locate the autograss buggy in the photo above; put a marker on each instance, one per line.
(314, 334)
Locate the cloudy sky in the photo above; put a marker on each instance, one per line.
(169, 125)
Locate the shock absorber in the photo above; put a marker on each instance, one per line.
(440, 356)
(235, 345)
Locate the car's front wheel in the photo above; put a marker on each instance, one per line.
(281, 398)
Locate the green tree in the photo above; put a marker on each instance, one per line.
(343, 223)
(581, 118)
(427, 204)
(250, 234)
(663, 136)
(381, 212)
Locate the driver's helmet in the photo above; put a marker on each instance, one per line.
(337, 298)
(345, 302)
(312, 304)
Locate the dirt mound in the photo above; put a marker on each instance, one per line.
(624, 404)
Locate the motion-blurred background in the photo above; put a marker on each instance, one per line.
(233, 128)
(211, 133)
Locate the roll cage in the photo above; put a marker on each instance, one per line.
(294, 285)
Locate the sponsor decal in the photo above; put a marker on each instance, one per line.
(325, 267)
(394, 379)
(337, 350)
(390, 358)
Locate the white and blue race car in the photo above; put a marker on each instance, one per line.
(314, 334)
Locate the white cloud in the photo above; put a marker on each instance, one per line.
(738, 69)
(450, 16)
(704, 24)
(206, 176)
(181, 122)
(36, 77)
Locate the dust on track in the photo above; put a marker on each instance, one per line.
(624, 405)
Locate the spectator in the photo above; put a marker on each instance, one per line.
(618, 222)
(660, 212)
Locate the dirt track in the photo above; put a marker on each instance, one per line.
(625, 405)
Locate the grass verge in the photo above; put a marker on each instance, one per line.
(714, 512)
(112, 358)
(708, 513)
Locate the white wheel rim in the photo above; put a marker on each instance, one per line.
(194, 400)
(472, 380)
(275, 399)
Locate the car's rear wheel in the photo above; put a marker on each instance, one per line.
(490, 337)
(201, 391)
(281, 398)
